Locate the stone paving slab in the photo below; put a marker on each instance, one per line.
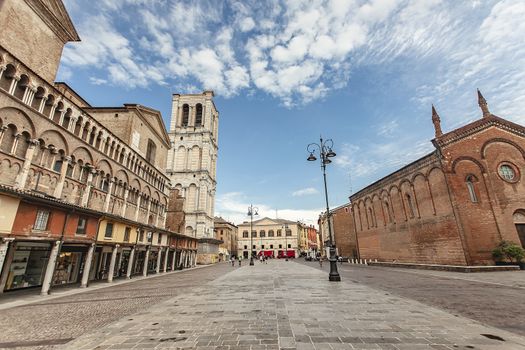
(284, 305)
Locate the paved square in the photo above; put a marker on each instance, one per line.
(285, 305)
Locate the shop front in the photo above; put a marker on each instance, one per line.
(138, 264)
(27, 265)
(152, 261)
(70, 264)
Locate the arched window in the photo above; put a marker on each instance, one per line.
(185, 115)
(198, 115)
(270, 233)
(470, 180)
(8, 138)
(371, 214)
(254, 233)
(410, 205)
(262, 233)
(388, 214)
(150, 152)
(279, 233)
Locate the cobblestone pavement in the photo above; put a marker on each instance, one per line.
(493, 298)
(284, 305)
(45, 324)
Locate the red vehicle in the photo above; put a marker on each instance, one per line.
(267, 253)
(283, 253)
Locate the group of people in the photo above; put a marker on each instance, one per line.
(262, 259)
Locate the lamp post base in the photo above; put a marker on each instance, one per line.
(251, 261)
(334, 274)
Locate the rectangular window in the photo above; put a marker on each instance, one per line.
(42, 216)
(127, 232)
(109, 231)
(289, 245)
(159, 239)
(81, 226)
(141, 236)
(280, 245)
(262, 246)
(271, 246)
(288, 233)
(245, 247)
(245, 234)
(278, 233)
(150, 237)
(254, 233)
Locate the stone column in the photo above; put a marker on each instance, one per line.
(165, 269)
(2, 70)
(111, 271)
(72, 123)
(63, 170)
(22, 176)
(148, 210)
(159, 258)
(50, 269)
(14, 82)
(181, 262)
(146, 258)
(42, 105)
(62, 114)
(4, 246)
(130, 262)
(108, 195)
(31, 96)
(174, 260)
(52, 111)
(87, 266)
(15, 143)
(3, 128)
(125, 204)
(87, 190)
(137, 209)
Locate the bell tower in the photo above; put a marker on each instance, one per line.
(192, 159)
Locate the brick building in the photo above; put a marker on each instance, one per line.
(227, 233)
(83, 190)
(342, 230)
(453, 205)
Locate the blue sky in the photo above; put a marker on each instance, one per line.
(361, 72)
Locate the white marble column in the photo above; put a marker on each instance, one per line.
(15, 143)
(60, 183)
(159, 260)
(111, 271)
(87, 266)
(146, 258)
(50, 269)
(22, 176)
(165, 269)
(3, 128)
(130, 263)
(14, 82)
(87, 190)
(174, 260)
(108, 195)
(125, 204)
(42, 105)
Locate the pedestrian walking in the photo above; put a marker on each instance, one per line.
(233, 261)
(239, 260)
(321, 262)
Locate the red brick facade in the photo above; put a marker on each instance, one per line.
(452, 206)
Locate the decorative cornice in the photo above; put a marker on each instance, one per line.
(54, 14)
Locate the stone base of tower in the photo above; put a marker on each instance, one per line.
(208, 251)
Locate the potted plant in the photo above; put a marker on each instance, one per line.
(509, 253)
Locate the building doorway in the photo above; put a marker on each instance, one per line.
(519, 222)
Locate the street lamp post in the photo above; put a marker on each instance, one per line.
(251, 212)
(324, 147)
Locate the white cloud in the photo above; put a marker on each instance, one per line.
(233, 206)
(247, 24)
(305, 192)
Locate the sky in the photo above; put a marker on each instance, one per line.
(363, 73)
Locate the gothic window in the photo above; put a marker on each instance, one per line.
(471, 188)
(198, 115)
(185, 115)
(388, 213)
(150, 152)
(410, 205)
(371, 214)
